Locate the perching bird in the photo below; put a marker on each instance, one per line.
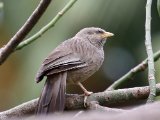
(73, 61)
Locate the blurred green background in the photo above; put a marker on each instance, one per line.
(125, 18)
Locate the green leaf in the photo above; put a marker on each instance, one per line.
(158, 6)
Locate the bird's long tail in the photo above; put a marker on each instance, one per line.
(52, 98)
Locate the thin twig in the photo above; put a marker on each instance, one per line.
(24, 30)
(77, 101)
(141, 67)
(46, 27)
(151, 69)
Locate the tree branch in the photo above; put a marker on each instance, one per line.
(139, 68)
(151, 69)
(23, 31)
(74, 102)
(94, 105)
(19, 111)
(46, 27)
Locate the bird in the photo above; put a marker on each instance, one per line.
(71, 62)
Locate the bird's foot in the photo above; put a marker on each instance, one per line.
(86, 94)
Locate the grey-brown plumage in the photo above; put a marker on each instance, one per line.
(73, 61)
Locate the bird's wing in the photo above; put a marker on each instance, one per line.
(59, 61)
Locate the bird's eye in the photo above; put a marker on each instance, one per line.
(99, 32)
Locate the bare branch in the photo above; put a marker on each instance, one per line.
(94, 105)
(146, 112)
(46, 27)
(74, 102)
(23, 31)
(19, 111)
(151, 69)
(128, 76)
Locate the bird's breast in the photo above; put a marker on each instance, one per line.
(94, 59)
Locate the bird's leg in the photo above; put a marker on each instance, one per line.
(86, 92)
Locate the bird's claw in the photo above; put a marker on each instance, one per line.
(86, 94)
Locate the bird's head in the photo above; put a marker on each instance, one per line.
(96, 36)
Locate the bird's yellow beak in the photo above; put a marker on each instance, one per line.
(107, 34)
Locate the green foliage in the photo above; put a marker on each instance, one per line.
(158, 6)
